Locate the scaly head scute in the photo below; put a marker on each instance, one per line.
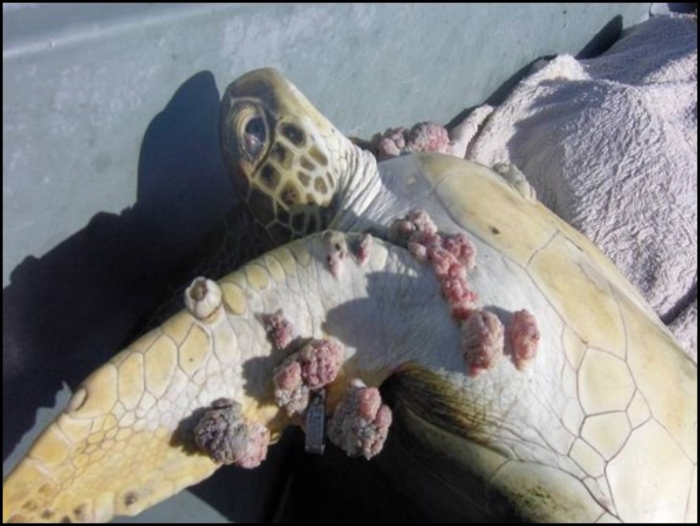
(285, 158)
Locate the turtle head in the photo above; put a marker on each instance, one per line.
(284, 157)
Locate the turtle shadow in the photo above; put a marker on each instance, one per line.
(335, 488)
(68, 311)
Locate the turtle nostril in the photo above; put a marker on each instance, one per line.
(294, 134)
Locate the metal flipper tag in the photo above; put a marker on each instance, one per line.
(315, 423)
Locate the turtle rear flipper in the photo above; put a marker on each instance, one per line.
(441, 453)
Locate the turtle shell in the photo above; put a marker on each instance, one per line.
(608, 409)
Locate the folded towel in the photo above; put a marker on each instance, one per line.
(610, 144)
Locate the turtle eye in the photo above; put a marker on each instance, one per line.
(254, 137)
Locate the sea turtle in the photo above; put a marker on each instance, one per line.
(525, 375)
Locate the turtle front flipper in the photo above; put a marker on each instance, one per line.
(218, 381)
(447, 451)
(121, 445)
(126, 439)
(92, 463)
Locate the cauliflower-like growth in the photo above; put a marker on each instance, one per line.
(313, 367)
(279, 329)
(228, 438)
(524, 336)
(361, 422)
(482, 341)
(423, 137)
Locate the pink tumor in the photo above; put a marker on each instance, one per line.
(454, 289)
(441, 260)
(229, 438)
(412, 228)
(428, 137)
(363, 248)
(289, 376)
(422, 220)
(482, 341)
(462, 300)
(423, 137)
(389, 144)
(279, 329)
(360, 423)
(255, 446)
(462, 311)
(316, 365)
(451, 256)
(459, 246)
(404, 227)
(524, 337)
(418, 251)
(320, 362)
(290, 391)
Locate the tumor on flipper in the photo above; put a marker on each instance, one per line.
(361, 422)
(228, 438)
(313, 367)
(280, 330)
